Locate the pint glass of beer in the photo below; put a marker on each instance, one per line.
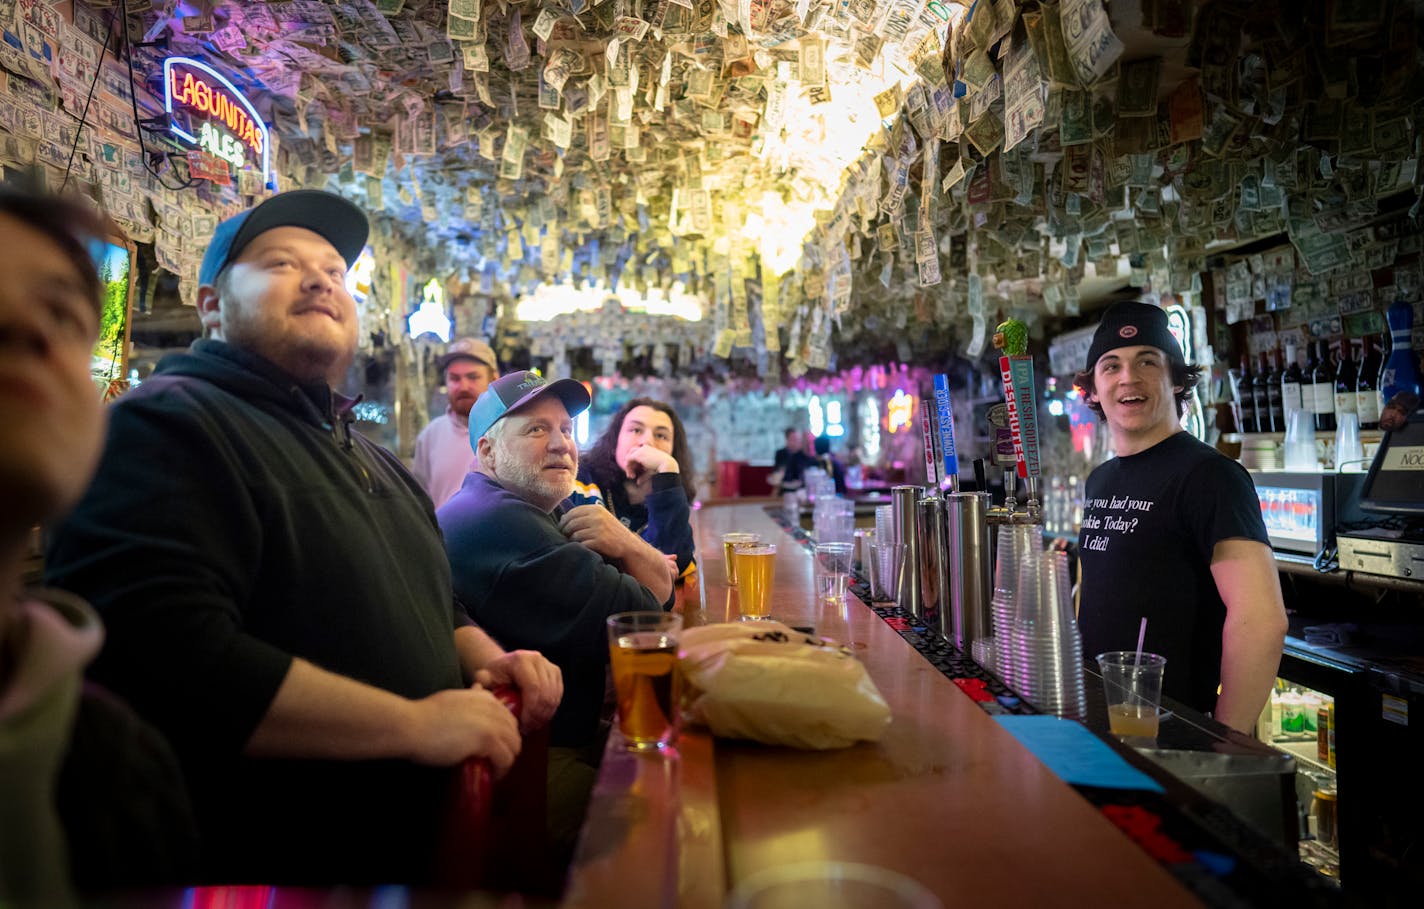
(756, 569)
(642, 646)
(730, 542)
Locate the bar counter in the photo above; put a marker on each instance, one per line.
(947, 796)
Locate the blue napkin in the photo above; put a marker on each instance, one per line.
(1075, 755)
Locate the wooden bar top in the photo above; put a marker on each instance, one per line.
(946, 797)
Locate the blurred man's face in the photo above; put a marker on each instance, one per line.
(50, 410)
(286, 300)
(465, 381)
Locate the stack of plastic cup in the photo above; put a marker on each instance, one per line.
(891, 558)
(1017, 542)
(1046, 647)
(833, 520)
(885, 524)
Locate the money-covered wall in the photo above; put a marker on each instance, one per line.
(834, 178)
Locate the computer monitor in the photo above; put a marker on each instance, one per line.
(109, 365)
(1395, 484)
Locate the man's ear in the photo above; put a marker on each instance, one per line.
(210, 310)
(484, 451)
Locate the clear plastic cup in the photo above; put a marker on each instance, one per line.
(1349, 453)
(832, 571)
(1132, 685)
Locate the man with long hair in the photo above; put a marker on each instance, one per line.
(639, 470)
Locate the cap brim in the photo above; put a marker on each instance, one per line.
(338, 221)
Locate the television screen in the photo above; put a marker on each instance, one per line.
(109, 365)
(1396, 480)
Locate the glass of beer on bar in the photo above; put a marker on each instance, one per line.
(730, 542)
(642, 647)
(756, 570)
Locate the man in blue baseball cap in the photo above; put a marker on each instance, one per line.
(1172, 531)
(537, 577)
(274, 586)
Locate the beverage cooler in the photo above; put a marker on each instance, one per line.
(1353, 725)
(1349, 700)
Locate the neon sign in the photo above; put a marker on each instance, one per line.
(206, 110)
(901, 411)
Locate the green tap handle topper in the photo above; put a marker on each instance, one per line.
(1011, 336)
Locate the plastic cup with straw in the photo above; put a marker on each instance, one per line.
(1132, 682)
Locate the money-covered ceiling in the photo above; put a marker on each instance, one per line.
(827, 175)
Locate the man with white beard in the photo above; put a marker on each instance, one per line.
(547, 581)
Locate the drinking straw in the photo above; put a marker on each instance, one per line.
(1141, 634)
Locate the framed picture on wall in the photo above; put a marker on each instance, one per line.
(109, 365)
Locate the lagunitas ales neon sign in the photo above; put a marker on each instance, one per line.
(207, 111)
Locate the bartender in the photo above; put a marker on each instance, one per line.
(1172, 531)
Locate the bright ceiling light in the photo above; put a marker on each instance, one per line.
(548, 301)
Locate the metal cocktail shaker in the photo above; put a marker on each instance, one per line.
(970, 590)
(904, 503)
(934, 564)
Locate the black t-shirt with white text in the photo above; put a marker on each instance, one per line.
(1150, 523)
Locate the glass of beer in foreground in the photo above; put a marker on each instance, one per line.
(730, 542)
(756, 569)
(642, 647)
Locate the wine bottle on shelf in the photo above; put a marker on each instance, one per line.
(1401, 367)
(1307, 382)
(1246, 395)
(1266, 419)
(1345, 375)
(1290, 386)
(1367, 397)
(1273, 392)
(1322, 382)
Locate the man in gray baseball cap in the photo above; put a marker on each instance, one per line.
(274, 585)
(539, 577)
(442, 450)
